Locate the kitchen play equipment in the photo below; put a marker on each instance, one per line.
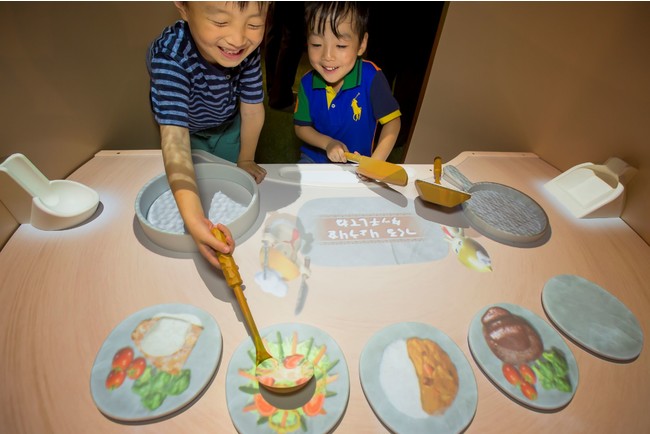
(275, 375)
(229, 195)
(379, 170)
(499, 212)
(593, 190)
(439, 194)
(48, 205)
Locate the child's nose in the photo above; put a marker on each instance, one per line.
(237, 38)
(328, 52)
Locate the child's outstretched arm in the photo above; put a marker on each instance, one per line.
(177, 156)
(252, 121)
(334, 148)
(387, 139)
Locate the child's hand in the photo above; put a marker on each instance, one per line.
(208, 244)
(253, 169)
(335, 151)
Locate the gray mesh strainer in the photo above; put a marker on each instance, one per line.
(499, 212)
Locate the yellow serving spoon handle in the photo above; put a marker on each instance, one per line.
(234, 280)
(437, 169)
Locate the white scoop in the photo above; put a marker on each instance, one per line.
(48, 205)
(593, 190)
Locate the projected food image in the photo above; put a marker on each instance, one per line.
(291, 350)
(418, 377)
(155, 368)
(526, 364)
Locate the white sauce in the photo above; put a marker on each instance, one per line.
(168, 334)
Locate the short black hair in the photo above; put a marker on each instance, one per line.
(317, 14)
(244, 5)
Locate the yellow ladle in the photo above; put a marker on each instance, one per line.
(285, 376)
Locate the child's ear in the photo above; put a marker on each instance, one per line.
(182, 9)
(363, 45)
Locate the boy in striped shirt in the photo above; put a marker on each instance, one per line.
(206, 93)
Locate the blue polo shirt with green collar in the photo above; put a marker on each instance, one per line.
(351, 115)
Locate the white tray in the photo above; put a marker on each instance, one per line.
(593, 190)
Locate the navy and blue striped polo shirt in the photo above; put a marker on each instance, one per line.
(189, 92)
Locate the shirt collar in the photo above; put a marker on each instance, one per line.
(353, 79)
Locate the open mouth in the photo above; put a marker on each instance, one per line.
(231, 53)
(330, 68)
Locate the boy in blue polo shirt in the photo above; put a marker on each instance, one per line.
(206, 93)
(343, 98)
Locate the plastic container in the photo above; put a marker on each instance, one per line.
(229, 195)
(48, 205)
(593, 190)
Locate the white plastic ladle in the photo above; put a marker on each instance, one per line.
(34, 199)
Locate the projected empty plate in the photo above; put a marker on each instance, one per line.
(417, 379)
(592, 317)
(183, 345)
(327, 393)
(514, 339)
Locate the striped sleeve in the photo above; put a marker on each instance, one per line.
(170, 91)
(252, 90)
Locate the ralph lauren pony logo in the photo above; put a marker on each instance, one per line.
(356, 110)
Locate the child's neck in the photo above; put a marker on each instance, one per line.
(336, 87)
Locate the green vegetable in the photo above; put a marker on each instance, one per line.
(154, 386)
(280, 349)
(251, 390)
(153, 400)
(179, 383)
(552, 371)
(142, 385)
(160, 380)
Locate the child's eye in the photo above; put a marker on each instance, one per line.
(255, 26)
(315, 45)
(220, 23)
(342, 47)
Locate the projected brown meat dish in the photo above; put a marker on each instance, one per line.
(510, 337)
(436, 373)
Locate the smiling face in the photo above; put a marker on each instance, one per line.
(223, 32)
(334, 57)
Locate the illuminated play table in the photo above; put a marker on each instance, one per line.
(63, 292)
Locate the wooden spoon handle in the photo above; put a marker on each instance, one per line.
(353, 157)
(437, 169)
(260, 351)
(234, 280)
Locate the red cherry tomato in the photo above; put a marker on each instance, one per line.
(292, 361)
(511, 374)
(529, 391)
(122, 359)
(136, 368)
(115, 379)
(314, 406)
(267, 381)
(527, 374)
